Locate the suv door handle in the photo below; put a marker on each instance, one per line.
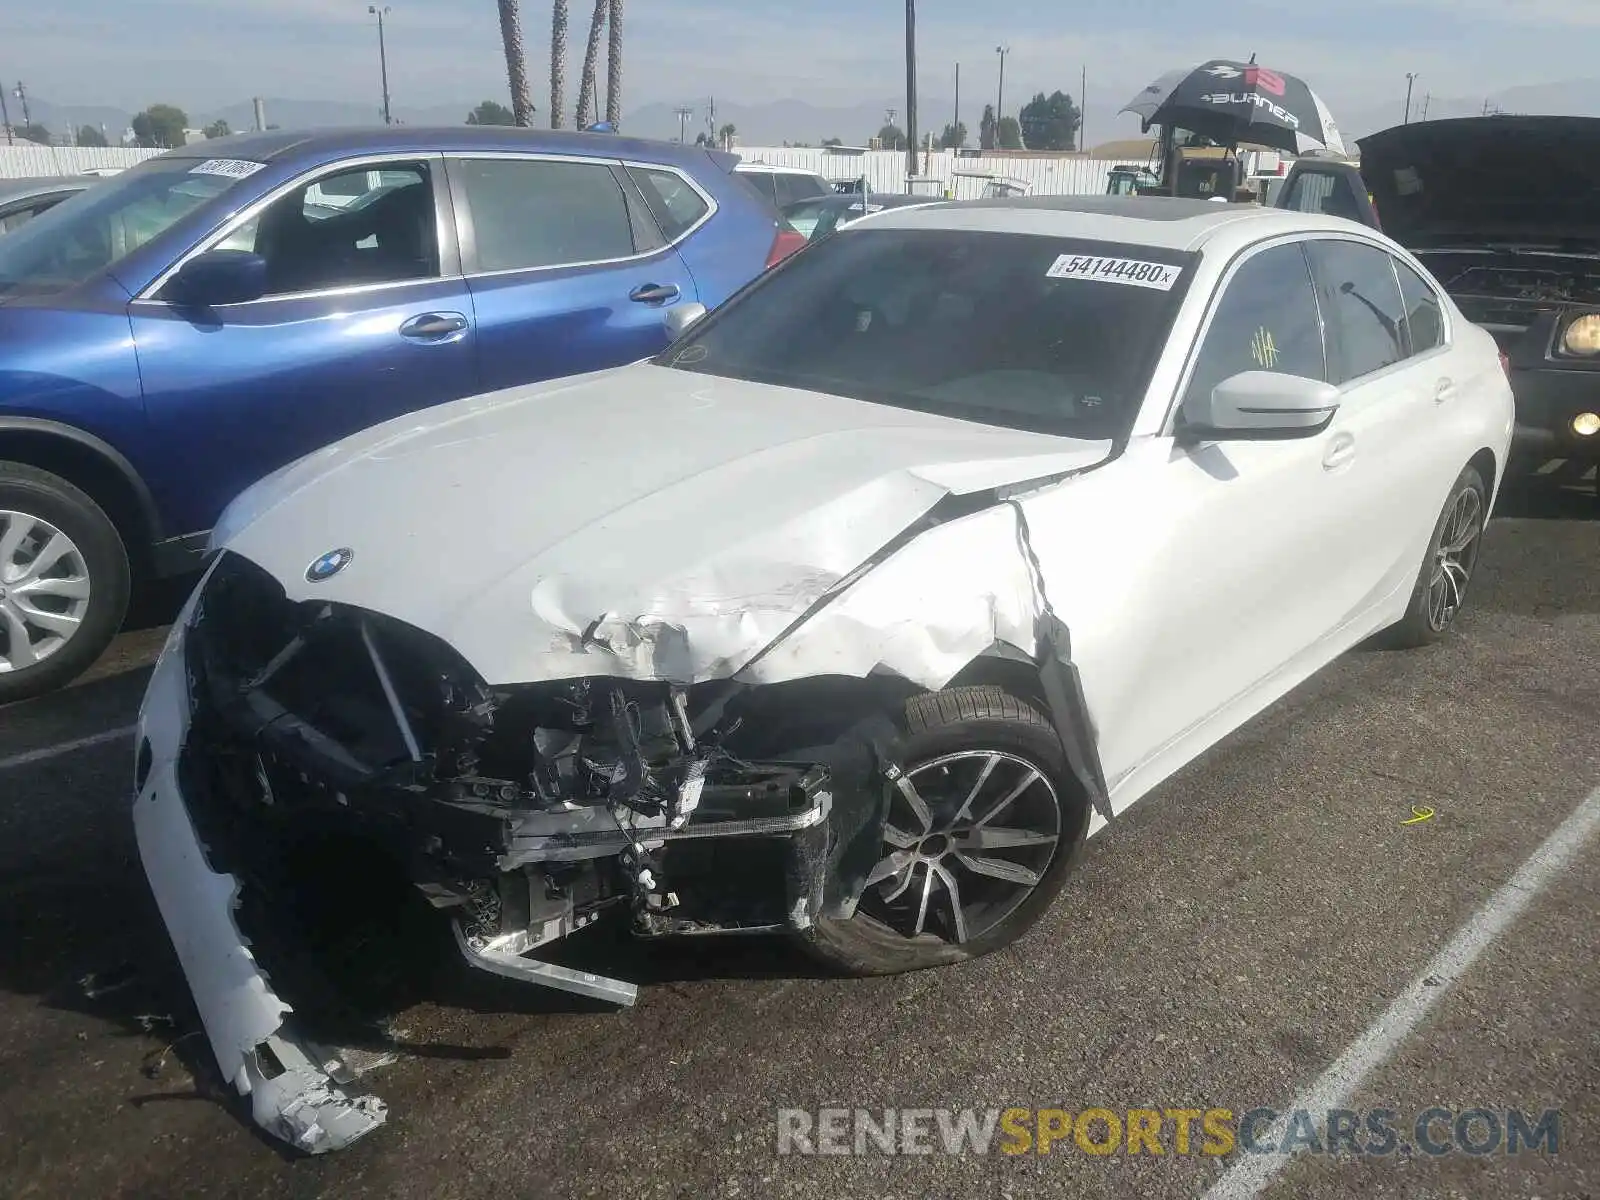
(1444, 390)
(654, 293)
(434, 326)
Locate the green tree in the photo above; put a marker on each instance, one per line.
(218, 128)
(833, 141)
(703, 139)
(160, 127)
(491, 113)
(986, 139)
(88, 135)
(892, 137)
(1051, 122)
(954, 136)
(1009, 133)
(516, 62)
(725, 136)
(34, 132)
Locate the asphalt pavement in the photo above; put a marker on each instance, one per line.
(1231, 943)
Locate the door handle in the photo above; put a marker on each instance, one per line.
(433, 327)
(1340, 451)
(654, 293)
(1444, 390)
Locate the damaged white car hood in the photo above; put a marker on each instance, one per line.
(643, 522)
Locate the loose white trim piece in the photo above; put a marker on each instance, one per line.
(46, 753)
(1250, 1174)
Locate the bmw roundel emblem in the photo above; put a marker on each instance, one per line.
(329, 565)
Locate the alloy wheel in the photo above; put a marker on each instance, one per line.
(44, 590)
(968, 838)
(1455, 558)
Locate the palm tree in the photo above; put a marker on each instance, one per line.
(587, 84)
(558, 61)
(516, 62)
(614, 68)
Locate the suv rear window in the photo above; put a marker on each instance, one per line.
(974, 325)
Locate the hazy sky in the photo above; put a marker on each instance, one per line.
(206, 53)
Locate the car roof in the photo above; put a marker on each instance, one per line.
(16, 189)
(317, 144)
(1160, 221)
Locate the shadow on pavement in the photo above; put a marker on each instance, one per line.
(1547, 498)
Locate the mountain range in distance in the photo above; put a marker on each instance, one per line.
(775, 122)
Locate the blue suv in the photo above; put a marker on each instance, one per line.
(196, 322)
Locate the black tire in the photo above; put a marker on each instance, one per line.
(47, 497)
(939, 724)
(1421, 626)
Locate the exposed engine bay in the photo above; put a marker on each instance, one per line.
(1506, 290)
(527, 812)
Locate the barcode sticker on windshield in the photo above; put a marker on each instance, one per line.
(233, 168)
(1160, 276)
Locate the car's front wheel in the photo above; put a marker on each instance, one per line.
(64, 581)
(1448, 566)
(983, 825)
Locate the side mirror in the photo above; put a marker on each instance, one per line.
(1259, 405)
(218, 277)
(678, 318)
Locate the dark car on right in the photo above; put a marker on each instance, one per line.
(1505, 212)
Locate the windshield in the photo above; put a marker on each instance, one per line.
(98, 227)
(1027, 332)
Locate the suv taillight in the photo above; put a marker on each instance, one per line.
(1505, 364)
(785, 244)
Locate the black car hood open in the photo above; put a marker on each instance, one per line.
(1516, 180)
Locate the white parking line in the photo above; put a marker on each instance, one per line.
(1250, 1174)
(46, 753)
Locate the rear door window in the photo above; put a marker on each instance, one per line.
(1364, 305)
(543, 213)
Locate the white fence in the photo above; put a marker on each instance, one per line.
(21, 161)
(886, 170)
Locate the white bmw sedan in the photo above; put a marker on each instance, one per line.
(850, 616)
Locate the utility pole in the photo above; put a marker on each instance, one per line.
(1000, 97)
(383, 59)
(1411, 79)
(22, 94)
(1083, 100)
(5, 115)
(684, 113)
(911, 91)
(1426, 100)
(956, 125)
